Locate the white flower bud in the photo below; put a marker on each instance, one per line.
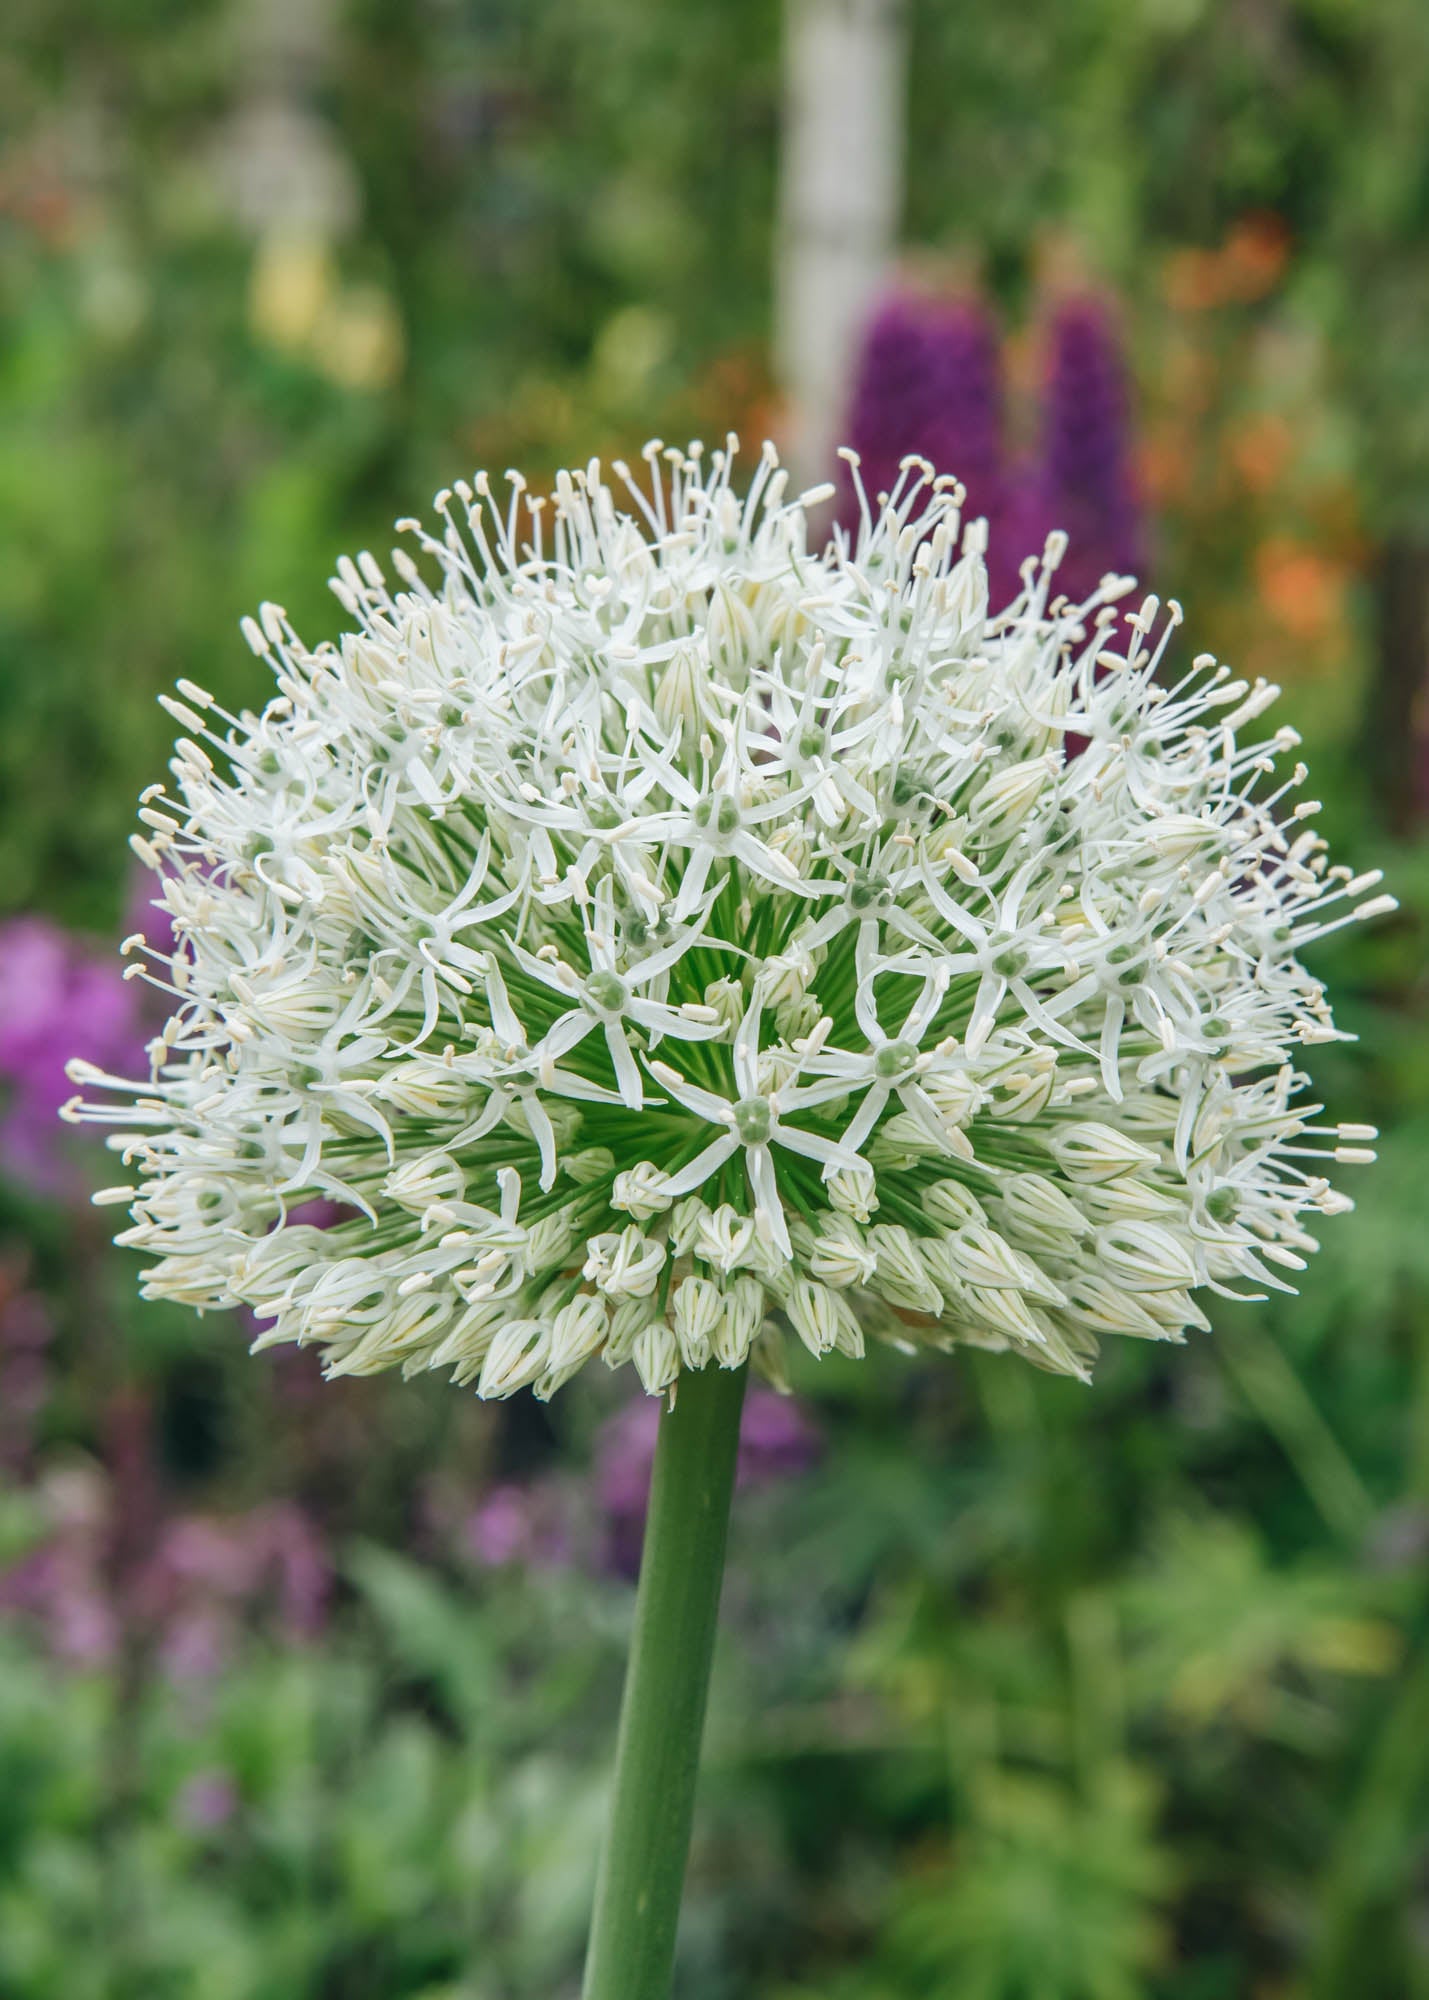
(1177, 836)
(639, 1191)
(1036, 1213)
(902, 1277)
(548, 1241)
(625, 1266)
(851, 1191)
(786, 976)
(682, 692)
(1175, 1311)
(977, 1255)
(743, 1313)
(465, 1344)
(687, 1218)
(1025, 1093)
(794, 844)
(1006, 797)
(818, 1315)
(904, 1138)
(426, 1179)
(699, 1311)
(732, 632)
(577, 1331)
(1092, 1151)
(1102, 1307)
(1008, 1312)
(728, 999)
(1127, 1199)
(798, 1017)
(627, 1317)
(950, 1203)
(1143, 1257)
(724, 1238)
(656, 1356)
(957, 1096)
(518, 1354)
(840, 1254)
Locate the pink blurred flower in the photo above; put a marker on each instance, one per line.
(207, 1801)
(58, 998)
(516, 1523)
(193, 1586)
(776, 1441)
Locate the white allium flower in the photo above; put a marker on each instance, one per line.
(658, 937)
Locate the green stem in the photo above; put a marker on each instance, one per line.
(642, 1872)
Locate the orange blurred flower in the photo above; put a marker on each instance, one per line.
(1192, 280)
(1301, 588)
(1255, 255)
(1260, 450)
(1246, 266)
(1163, 466)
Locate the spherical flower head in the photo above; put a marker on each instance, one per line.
(661, 940)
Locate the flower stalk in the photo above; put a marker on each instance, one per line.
(642, 1872)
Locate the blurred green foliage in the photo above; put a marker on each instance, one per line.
(1028, 1693)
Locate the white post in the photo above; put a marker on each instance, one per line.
(841, 199)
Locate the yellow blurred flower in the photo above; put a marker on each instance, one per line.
(291, 285)
(358, 340)
(630, 348)
(350, 333)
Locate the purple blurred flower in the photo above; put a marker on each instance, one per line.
(1083, 480)
(191, 1586)
(929, 381)
(196, 1644)
(776, 1441)
(518, 1524)
(207, 1801)
(58, 999)
(269, 1557)
(61, 1585)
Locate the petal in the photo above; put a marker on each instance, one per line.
(769, 1209)
(694, 1176)
(831, 1152)
(627, 1070)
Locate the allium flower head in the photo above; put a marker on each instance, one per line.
(660, 937)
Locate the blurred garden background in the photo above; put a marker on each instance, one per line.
(1026, 1691)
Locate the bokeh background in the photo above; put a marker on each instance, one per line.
(1026, 1692)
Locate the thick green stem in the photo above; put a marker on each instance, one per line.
(657, 1756)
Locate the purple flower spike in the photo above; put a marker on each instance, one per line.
(1084, 482)
(929, 381)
